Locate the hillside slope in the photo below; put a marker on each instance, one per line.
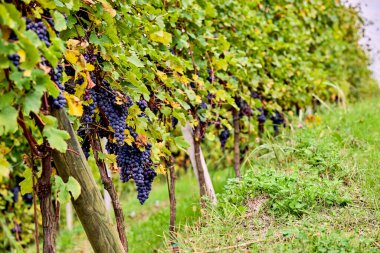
(315, 189)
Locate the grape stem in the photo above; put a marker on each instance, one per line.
(28, 135)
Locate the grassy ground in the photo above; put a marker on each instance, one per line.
(148, 225)
(314, 189)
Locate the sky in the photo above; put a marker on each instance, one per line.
(370, 11)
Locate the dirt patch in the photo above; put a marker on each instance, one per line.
(255, 204)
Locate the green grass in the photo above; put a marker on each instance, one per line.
(314, 189)
(148, 224)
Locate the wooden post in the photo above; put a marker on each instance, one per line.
(89, 207)
(69, 216)
(187, 133)
(170, 177)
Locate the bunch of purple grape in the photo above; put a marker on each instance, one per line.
(223, 137)
(40, 29)
(55, 76)
(245, 109)
(135, 164)
(116, 113)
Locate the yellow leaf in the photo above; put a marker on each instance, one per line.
(90, 67)
(72, 56)
(4, 149)
(141, 141)
(108, 8)
(22, 55)
(71, 43)
(176, 66)
(184, 79)
(28, 73)
(4, 167)
(74, 104)
(162, 75)
(161, 37)
(161, 169)
(175, 105)
(128, 137)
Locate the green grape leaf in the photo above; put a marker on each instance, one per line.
(8, 120)
(180, 116)
(181, 143)
(27, 184)
(33, 101)
(73, 187)
(56, 138)
(10, 16)
(59, 21)
(62, 190)
(32, 55)
(134, 59)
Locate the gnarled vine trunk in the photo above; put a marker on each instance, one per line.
(89, 207)
(46, 205)
(236, 124)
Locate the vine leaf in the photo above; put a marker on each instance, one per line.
(32, 100)
(8, 120)
(74, 104)
(27, 184)
(55, 137)
(181, 143)
(4, 167)
(161, 37)
(59, 21)
(108, 8)
(62, 190)
(74, 187)
(135, 60)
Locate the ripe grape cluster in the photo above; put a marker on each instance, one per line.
(174, 121)
(135, 164)
(142, 104)
(85, 142)
(55, 76)
(40, 29)
(134, 160)
(211, 76)
(89, 110)
(224, 136)
(203, 105)
(261, 117)
(15, 59)
(116, 113)
(245, 109)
